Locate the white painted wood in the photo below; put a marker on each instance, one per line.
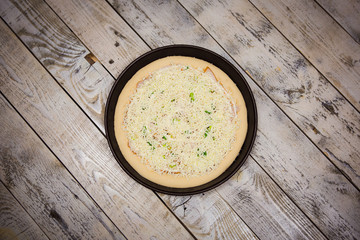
(56, 32)
(297, 88)
(346, 13)
(75, 140)
(319, 189)
(152, 22)
(279, 152)
(62, 53)
(320, 39)
(99, 27)
(44, 187)
(208, 216)
(252, 185)
(15, 222)
(144, 19)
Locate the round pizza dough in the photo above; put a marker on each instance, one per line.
(171, 180)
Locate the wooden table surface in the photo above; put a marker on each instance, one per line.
(59, 60)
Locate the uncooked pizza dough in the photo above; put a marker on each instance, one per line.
(180, 121)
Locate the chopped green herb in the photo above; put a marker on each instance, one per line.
(173, 100)
(151, 94)
(172, 166)
(212, 91)
(162, 91)
(143, 108)
(213, 138)
(208, 129)
(163, 156)
(205, 153)
(187, 67)
(207, 112)
(192, 97)
(164, 137)
(144, 130)
(149, 143)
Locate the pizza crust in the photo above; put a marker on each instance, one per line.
(167, 179)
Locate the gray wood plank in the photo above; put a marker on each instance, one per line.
(80, 146)
(209, 216)
(15, 222)
(287, 77)
(215, 208)
(73, 66)
(219, 222)
(44, 187)
(155, 23)
(100, 28)
(346, 14)
(320, 39)
(152, 21)
(16, 18)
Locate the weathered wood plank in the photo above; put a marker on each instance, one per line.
(297, 88)
(99, 27)
(15, 222)
(80, 146)
(208, 216)
(298, 181)
(320, 39)
(44, 187)
(219, 223)
(41, 13)
(152, 22)
(252, 185)
(346, 13)
(62, 53)
(17, 16)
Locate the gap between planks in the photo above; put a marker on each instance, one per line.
(51, 77)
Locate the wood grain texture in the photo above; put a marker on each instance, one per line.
(320, 39)
(253, 195)
(297, 88)
(15, 222)
(137, 212)
(101, 29)
(44, 187)
(144, 19)
(346, 14)
(41, 13)
(308, 178)
(208, 216)
(61, 52)
(217, 228)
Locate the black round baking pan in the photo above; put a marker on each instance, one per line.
(191, 51)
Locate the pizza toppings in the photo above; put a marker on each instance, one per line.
(181, 121)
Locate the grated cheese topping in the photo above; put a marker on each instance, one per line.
(181, 121)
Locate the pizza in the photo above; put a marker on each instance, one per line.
(180, 121)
